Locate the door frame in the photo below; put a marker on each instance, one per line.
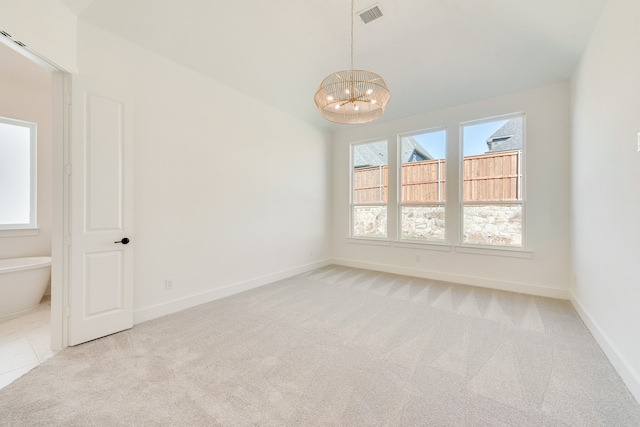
(60, 220)
(60, 231)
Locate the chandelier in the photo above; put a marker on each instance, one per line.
(352, 96)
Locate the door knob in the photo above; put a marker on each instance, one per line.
(123, 241)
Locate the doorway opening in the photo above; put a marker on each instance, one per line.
(42, 330)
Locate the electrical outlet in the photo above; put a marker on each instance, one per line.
(311, 253)
(418, 258)
(168, 284)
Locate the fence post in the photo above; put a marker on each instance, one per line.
(439, 182)
(518, 173)
(380, 183)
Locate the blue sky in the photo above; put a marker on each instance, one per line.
(474, 139)
(434, 142)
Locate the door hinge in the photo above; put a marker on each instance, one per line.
(67, 240)
(67, 169)
(67, 98)
(67, 311)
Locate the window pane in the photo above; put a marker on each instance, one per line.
(499, 225)
(492, 172)
(370, 172)
(423, 174)
(423, 167)
(370, 221)
(15, 174)
(492, 164)
(423, 223)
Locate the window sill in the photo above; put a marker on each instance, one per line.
(431, 246)
(19, 232)
(505, 252)
(368, 241)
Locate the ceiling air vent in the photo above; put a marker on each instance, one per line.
(370, 14)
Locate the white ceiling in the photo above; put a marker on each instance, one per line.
(432, 53)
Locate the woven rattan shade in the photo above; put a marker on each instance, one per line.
(352, 96)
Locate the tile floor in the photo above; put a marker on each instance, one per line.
(25, 342)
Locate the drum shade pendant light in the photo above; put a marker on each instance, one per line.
(352, 96)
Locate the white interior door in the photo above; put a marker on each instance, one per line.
(101, 207)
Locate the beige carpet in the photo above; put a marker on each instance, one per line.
(336, 347)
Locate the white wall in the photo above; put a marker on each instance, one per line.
(547, 185)
(606, 187)
(25, 94)
(45, 26)
(228, 190)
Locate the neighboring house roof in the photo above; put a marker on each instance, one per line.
(410, 146)
(508, 137)
(371, 154)
(376, 153)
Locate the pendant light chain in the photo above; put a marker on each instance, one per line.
(352, 35)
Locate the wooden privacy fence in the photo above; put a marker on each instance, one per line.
(486, 177)
(492, 177)
(371, 184)
(423, 181)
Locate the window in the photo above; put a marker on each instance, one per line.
(490, 183)
(369, 183)
(17, 174)
(492, 189)
(422, 172)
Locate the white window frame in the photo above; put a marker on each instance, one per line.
(6, 229)
(399, 190)
(495, 249)
(351, 202)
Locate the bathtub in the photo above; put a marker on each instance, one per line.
(23, 282)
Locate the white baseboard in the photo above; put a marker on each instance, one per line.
(523, 288)
(149, 313)
(626, 372)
